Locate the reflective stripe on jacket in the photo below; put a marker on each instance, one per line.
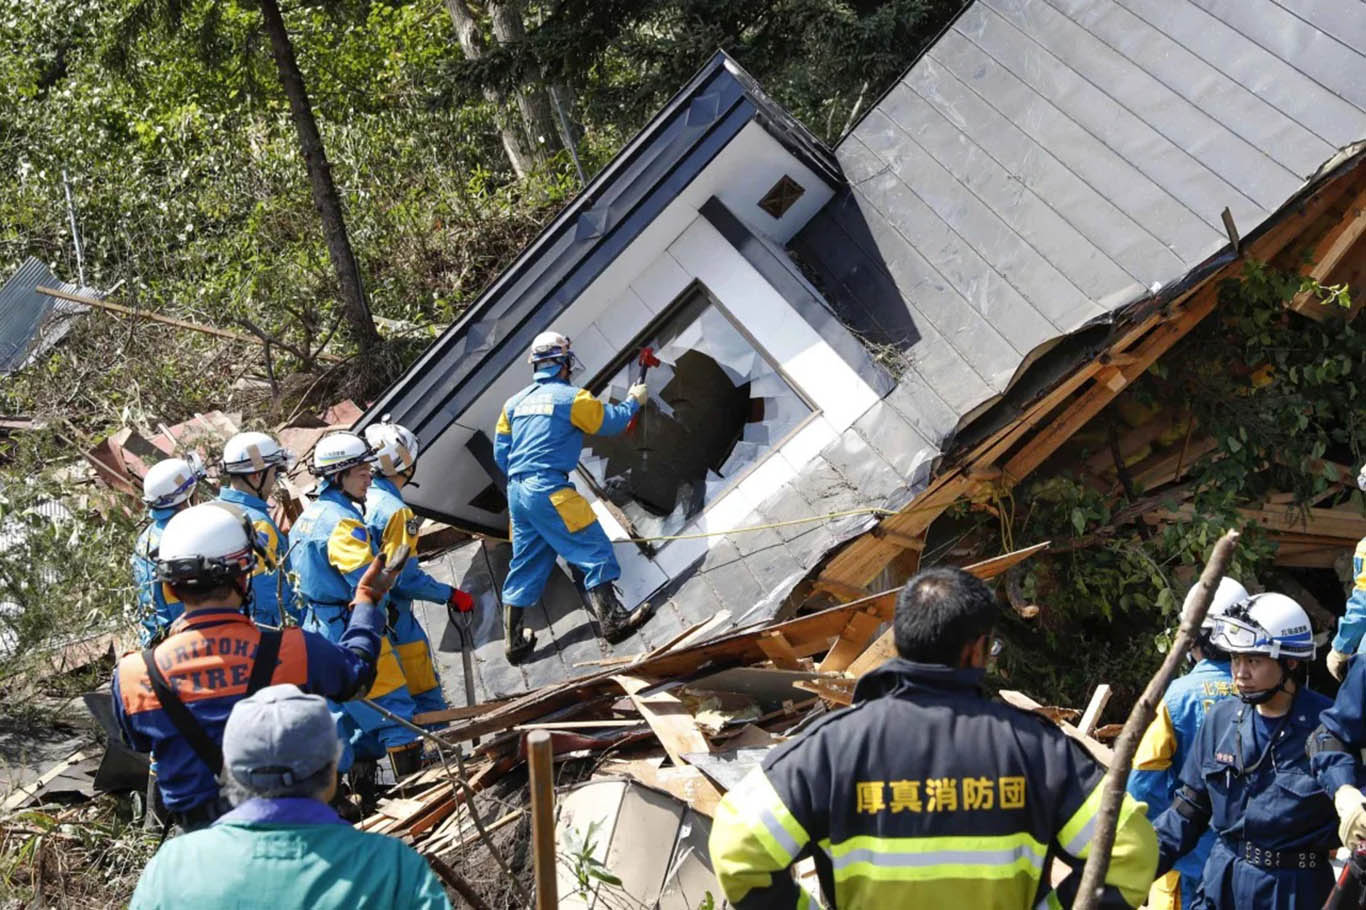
(924, 793)
(541, 427)
(271, 587)
(207, 659)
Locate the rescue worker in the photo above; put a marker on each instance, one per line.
(1247, 775)
(168, 488)
(925, 793)
(1335, 751)
(392, 524)
(332, 547)
(1352, 625)
(252, 464)
(282, 846)
(1165, 743)
(172, 699)
(536, 444)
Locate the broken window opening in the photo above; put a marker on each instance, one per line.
(717, 405)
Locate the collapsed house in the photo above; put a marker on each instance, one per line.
(854, 339)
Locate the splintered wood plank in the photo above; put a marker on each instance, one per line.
(1099, 751)
(1329, 251)
(449, 714)
(668, 718)
(1094, 708)
(990, 568)
(853, 641)
(840, 691)
(779, 650)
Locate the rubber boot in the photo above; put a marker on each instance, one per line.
(518, 640)
(617, 622)
(364, 783)
(405, 760)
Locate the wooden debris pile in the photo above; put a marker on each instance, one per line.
(688, 719)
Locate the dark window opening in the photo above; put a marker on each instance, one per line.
(490, 499)
(716, 406)
(782, 196)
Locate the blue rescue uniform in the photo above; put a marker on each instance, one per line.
(271, 588)
(1335, 761)
(207, 659)
(392, 524)
(332, 549)
(924, 794)
(1160, 757)
(1248, 778)
(158, 606)
(536, 444)
(1352, 626)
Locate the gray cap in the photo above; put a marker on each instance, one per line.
(278, 737)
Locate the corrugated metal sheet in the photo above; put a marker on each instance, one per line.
(1047, 162)
(30, 322)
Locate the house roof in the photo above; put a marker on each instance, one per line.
(31, 322)
(1047, 163)
(586, 237)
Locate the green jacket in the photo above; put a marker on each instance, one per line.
(285, 853)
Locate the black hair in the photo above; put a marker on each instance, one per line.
(939, 611)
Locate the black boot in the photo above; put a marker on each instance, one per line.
(364, 784)
(405, 760)
(616, 621)
(518, 640)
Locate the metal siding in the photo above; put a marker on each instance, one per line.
(1046, 162)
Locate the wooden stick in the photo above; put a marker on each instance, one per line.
(165, 320)
(457, 883)
(1112, 796)
(542, 817)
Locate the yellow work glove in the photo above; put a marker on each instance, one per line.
(1351, 806)
(1337, 664)
(639, 392)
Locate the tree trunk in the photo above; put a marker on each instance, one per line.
(472, 44)
(324, 191)
(533, 101)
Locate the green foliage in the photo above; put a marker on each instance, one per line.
(1279, 394)
(588, 869)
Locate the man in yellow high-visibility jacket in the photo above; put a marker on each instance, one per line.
(924, 793)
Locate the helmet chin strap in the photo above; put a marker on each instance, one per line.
(243, 585)
(1265, 695)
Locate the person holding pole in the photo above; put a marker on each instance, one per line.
(1165, 744)
(1248, 776)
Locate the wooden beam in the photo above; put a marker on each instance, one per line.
(1099, 751)
(779, 650)
(1329, 251)
(840, 589)
(990, 568)
(901, 540)
(1090, 718)
(853, 641)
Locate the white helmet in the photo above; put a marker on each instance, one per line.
(1270, 624)
(206, 546)
(1361, 478)
(1226, 595)
(552, 347)
(395, 446)
(250, 453)
(171, 481)
(338, 451)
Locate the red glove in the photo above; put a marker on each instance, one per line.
(461, 600)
